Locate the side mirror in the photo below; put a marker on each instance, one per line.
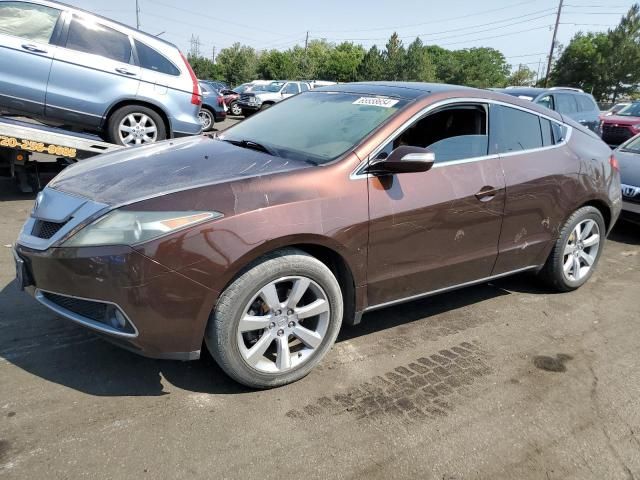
(404, 159)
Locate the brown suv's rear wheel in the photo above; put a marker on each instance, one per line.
(135, 125)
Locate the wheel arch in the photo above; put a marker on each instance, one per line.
(603, 208)
(152, 106)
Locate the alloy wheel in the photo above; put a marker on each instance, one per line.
(581, 250)
(136, 129)
(205, 119)
(283, 325)
(236, 110)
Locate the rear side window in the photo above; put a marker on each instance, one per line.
(559, 132)
(566, 103)
(27, 20)
(291, 88)
(547, 132)
(546, 101)
(514, 130)
(586, 104)
(304, 87)
(152, 60)
(91, 37)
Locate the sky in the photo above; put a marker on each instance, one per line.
(521, 30)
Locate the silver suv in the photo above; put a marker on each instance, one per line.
(263, 96)
(68, 67)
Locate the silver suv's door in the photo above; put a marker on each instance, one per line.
(91, 72)
(25, 55)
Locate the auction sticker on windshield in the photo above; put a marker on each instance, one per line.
(376, 102)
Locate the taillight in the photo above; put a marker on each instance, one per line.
(221, 100)
(613, 161)
(196, 95)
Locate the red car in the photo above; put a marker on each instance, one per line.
(231, 100)
(619, 128)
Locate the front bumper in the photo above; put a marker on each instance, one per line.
(167, 312)
(252, 107)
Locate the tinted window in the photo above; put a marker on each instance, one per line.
(291, 88)
(152, 60)
(632, 110)
(304, 87)
(559, 132)
(546, 101)
(459, 148)
(566, 103)
(514, 130)
(90, 37)
(26, 20)
(204, 87)
(586, 104)
(547, 132)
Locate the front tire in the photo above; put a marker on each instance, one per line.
(577, 250)
(135, 125)
(277, 320)
(235, 109)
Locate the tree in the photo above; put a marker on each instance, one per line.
(205, 69)
(623, 60)
(278, 65)
(445, 62)
(581, 64)
(372, 65)
(481, 68)
(238, 63)
(522, 77)
(341, 63)
(394, 59)
(418, 65)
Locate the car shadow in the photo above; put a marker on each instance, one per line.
(36, 341)
(626, 232)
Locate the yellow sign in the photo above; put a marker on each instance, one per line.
(39, 147)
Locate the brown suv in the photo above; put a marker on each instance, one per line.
(338, 201)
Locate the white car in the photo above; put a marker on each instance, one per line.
(264, 96)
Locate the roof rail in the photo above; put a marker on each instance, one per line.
(573, 89)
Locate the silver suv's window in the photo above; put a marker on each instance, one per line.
(27, 20)
(291, 88)
(304, 87)
(88, 36)
(152, 60)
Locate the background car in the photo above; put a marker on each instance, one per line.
(618, 128)
(213, 108)
(628, 156)
(90, 73)
(614, 109)
(231, 98)
(572, 102)
(264, 96)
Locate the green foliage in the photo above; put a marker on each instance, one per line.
(341, 63)
(606, 64)
(394, 57)
(522, 77)
(418, 66)
(372, 65)
(238, 63)
(205, 69)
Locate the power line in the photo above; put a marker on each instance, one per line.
(519, 17)
(496, 36)
(431, 22)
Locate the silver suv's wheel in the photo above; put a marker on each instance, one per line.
(135, 125)
(576, 251)
(277, 320)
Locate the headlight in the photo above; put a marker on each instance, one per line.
(128, 228)
(636, 127)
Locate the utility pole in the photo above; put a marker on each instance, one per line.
(195, 46)
(553, 43)
(306, 43)
(137, 15)
(213, 54)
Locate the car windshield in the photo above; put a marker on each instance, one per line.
(632, 145)
(241, 88)
(339, 121)
(272, 87)
(632, 110)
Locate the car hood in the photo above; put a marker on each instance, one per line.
(629, 167)
(129, 175)
(621, 120)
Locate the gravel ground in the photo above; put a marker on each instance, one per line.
(499, 381)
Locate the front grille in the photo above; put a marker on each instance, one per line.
(85, 308)
(46, 230)
(615, 134)
(245, 97)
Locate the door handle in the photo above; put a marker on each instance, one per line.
(486, 193)
(33, 48)
(124, 71)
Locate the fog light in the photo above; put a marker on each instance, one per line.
(117, 319)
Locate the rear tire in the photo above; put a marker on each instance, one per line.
(122, 126)
(576, 252)
(266, 106)
(287, 301)
(207, 119)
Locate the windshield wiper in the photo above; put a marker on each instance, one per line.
(250, 144)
